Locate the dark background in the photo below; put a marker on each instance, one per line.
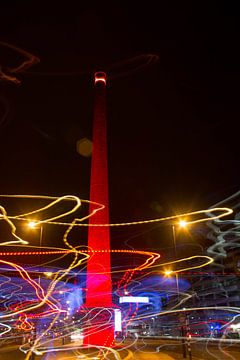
(172, 126)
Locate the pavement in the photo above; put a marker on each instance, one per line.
(12, 353)
(144, 349)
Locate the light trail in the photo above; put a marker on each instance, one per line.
(224, 211)
(208, 261)
(44, 299)
(38, 291)
(223, 238)
(8, 74)
(8, 328)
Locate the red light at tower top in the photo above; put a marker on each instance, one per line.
(100, 76)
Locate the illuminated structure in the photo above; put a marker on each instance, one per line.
(98, 283)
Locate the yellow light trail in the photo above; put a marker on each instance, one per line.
(49, 215)
(78, 222)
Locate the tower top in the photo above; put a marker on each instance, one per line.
(100, 76)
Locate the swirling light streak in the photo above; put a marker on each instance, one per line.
(151, 256)
(24, 323)
(208, 261)
(224, 211)
(224, 238)
(231, 309)
(5, 331)
(41, 217)
(38, 291)
(8, 73)
(3, 216)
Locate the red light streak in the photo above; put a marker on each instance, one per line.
(152, 257)
(38, 291)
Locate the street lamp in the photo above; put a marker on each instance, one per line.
(168, 272)
(48, 274)
(34, 225)
(175, 253)
(182, 224)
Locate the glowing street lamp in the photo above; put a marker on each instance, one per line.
(34, 225)
(182, 224)
(168, 272)
(48, 274)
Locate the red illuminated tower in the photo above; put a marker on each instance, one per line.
(99, 285)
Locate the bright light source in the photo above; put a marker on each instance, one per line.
(100, 76)
(133, 299)
(48, 273)
(182, 223)
(32, 224)
(168, 272)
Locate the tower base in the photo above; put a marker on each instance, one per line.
(98, 326)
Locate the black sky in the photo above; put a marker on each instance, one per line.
(172, 127)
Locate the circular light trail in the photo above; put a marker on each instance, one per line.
(44, 303)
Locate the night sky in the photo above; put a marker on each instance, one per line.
(172, 126)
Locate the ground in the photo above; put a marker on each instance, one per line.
(144, 349)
